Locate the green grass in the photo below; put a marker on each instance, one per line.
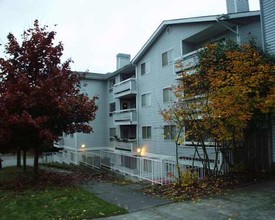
(68, 202)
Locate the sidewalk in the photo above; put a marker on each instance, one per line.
(253, 202)
(125, 196)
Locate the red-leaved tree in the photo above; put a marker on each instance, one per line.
(40, 97)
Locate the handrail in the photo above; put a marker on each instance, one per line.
(124, 81)
(187, 55)
(124, 110)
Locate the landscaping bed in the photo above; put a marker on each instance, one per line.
(208, 187)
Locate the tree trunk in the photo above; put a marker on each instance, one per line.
(24, 161)
(177, 156)
(206, 161)
(18, 154)
(178, 165)
(35, 163)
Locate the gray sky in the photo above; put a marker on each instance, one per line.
(94, 31)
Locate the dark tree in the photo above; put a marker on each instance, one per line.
(40, 97)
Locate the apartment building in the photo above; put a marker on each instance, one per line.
(128, 121)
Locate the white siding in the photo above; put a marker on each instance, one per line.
(268, 16)
(253, 29)
(99, 136)
(163, 77)
(158, 79)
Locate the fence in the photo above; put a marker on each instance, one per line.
(144, 168)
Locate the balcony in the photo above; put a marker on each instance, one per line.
(125, 117)
(187, 63)
(125, 88)
(59, 143)
(125, 145)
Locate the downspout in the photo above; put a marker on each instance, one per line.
(229, 28)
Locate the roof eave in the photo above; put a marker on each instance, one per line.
(165, 23)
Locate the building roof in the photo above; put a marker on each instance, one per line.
(89, 75)
(210, 18)
(105, 76)
(126, 69)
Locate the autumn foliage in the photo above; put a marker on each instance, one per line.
(239, 84)
(232, 87)
(40, 97)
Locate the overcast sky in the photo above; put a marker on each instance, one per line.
(94, 31)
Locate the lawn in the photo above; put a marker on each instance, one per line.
(48, 200)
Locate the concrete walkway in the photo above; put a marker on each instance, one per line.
(125, 196)
(253, 202)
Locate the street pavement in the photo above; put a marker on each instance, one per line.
(9, 160)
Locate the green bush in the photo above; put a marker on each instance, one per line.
(189, 177)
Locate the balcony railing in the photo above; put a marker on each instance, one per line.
(124, 88)
(125, 117)
(59, 143)
(126, 145)
(187, 63)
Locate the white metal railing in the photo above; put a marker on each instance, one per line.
(140, 167)
(125, 117)
(50, 157)
(125, 87)
(91, 159)
(87, 158)
(159, 171)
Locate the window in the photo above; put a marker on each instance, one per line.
(167, 57)
(112, 108)
(112, 133)
(146, 132)
(170, 132)
(145, 68)
(168, 95)
(146, 99)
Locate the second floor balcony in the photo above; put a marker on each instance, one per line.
(187, 63)
(125, 145)
(59, 143)
(125, 117)
(125, 88)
